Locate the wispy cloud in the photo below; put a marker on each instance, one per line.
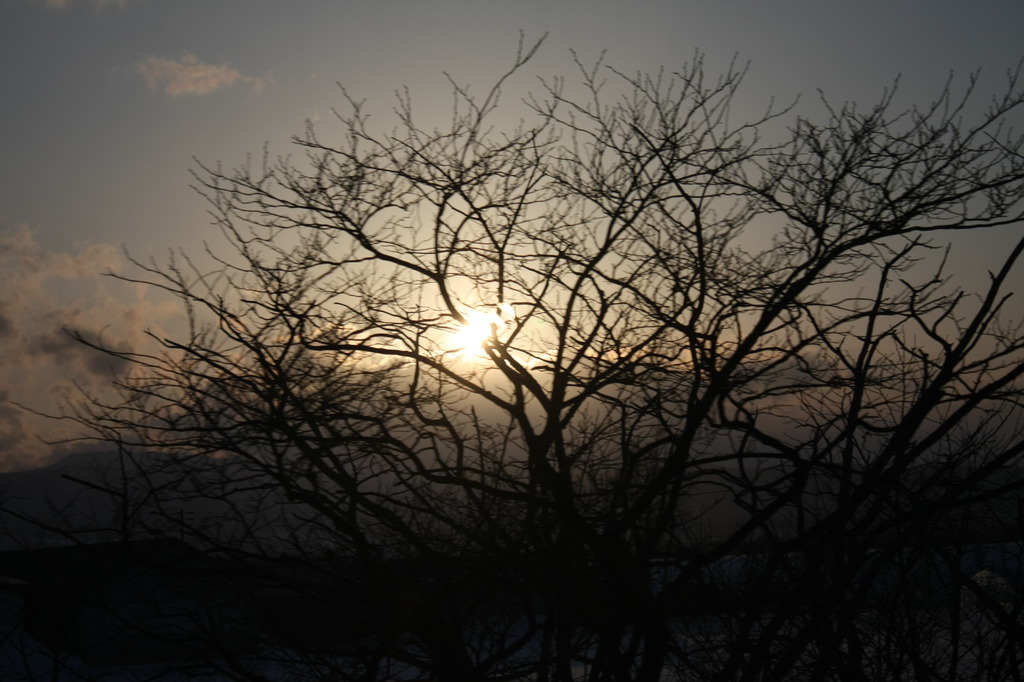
(189, 76)
(45, 293)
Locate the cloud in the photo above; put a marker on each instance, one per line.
(189, 76)
(45, 293)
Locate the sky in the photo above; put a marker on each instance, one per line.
(106, 106)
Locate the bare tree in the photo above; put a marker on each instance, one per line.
(621, 391)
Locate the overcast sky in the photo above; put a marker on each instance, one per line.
(104, 104)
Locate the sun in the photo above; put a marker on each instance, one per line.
(471, 338)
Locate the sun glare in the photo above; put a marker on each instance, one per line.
(470, 340)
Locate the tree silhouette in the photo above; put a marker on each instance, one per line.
(624, 390)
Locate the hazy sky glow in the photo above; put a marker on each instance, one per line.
(106, 102)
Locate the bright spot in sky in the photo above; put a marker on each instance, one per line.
(471, 338)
